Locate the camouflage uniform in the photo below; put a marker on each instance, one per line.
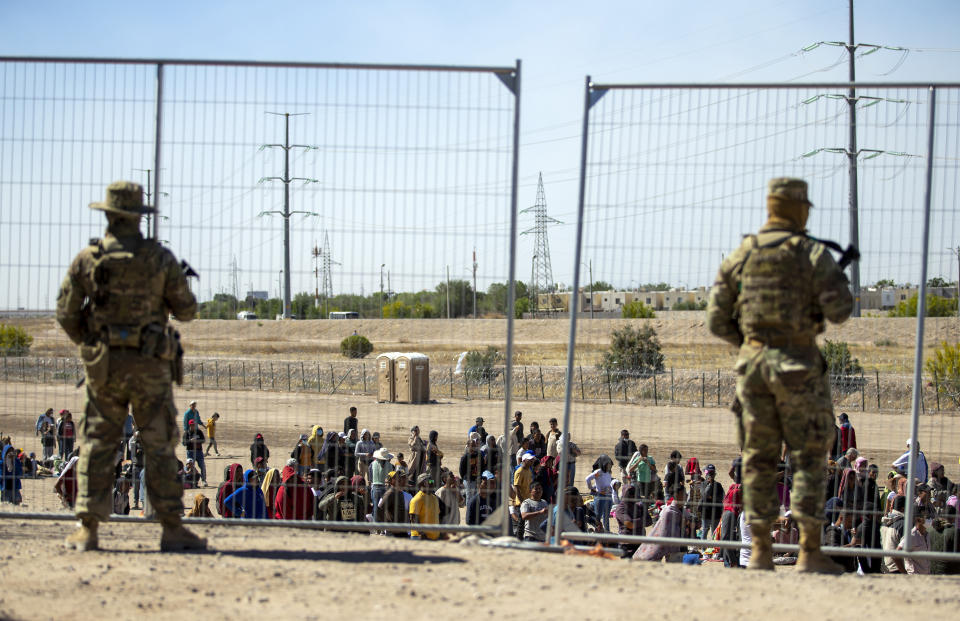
(114, 303)
(770, 299)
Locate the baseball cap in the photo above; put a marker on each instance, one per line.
(487, 475)
(710, 468)
(528, 456)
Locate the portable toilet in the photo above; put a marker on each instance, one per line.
(412, 378)
(386, 382)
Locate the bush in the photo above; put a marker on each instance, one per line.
(690, 306)
(634, 352)
(14, 341)
(637, 310)
(396, 310)
(355, 346)
(936, 307)
(480, 366)
(844, 370)
(945, 369)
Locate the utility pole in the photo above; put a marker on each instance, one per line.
(591, 288)
(286, 213)
(149, 192)
(474, 282)
(852, 157)
(956, 251)
(382, 265)
(321, 254)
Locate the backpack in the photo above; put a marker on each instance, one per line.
(775, 286)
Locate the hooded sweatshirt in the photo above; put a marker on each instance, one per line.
(247, 502)
(294, 499)
(364, 450)
(316, 440)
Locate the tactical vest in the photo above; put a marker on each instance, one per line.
(775, 288)
(128, 287)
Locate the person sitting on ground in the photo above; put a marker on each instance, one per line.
(232, 480)
(785, 532)
(258, 448)
(840, 535)
(270, 487)
(632, 517)
(670, 523)
(343, 505)
(201, 507)
(424, 508)
(247, 502)
(294, 500)
(190, 475)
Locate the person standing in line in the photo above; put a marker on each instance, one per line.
(350, 422)
(534, 511)
(600, 483)
(193, 441)
(478, 428)
(114, 304)
(424, 508)
(771, 298)
(66, 433)
(418, 453)
(192, 414)
(711, 502)
(135, 448)
(622, 453)
(212, 434)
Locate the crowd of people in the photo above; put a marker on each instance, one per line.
(350, 476)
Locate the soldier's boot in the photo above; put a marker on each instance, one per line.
(85, 537)
(176, 537)
(811, 559)
(761, 552)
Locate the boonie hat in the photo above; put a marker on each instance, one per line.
(124, 198)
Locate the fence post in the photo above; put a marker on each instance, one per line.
(718, 387)
(333, 379)
(22, 376)
(229, 377)
(42, 374)
(671, 386)
(318, 377)
(466, 385)
(877, 371)
(363, 368)
(582, 398)
(863, 393)
(624, 389)
(259, 376)
(489, 381)
(5, 368)
(703, 389)
(936, 390)
(289, 386)
(216, 372)
(655, 400)
(542, 394)
(451, 381)
(273, 378)
(609, 387)
(303, 377)
(201, 375)
(526, 387)
(243, 374)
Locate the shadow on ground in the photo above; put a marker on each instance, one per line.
(341, 556)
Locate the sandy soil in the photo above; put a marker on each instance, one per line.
(304, 575)
(885, 343)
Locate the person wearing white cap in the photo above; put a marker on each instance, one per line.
(920, 470)
(191, 414)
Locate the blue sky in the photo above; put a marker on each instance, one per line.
(559, 43)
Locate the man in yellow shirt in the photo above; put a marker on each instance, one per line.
(211, 433)
(424, 508)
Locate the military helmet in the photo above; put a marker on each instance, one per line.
(124, 198)
(789, 188)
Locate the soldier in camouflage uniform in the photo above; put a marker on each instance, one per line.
(771, 298)
(114, 304)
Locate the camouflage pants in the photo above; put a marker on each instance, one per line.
(785, 395)
(144, 385)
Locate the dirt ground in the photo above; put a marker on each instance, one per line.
(307, 575)
(288, 574)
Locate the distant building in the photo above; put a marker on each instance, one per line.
(257, 295)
